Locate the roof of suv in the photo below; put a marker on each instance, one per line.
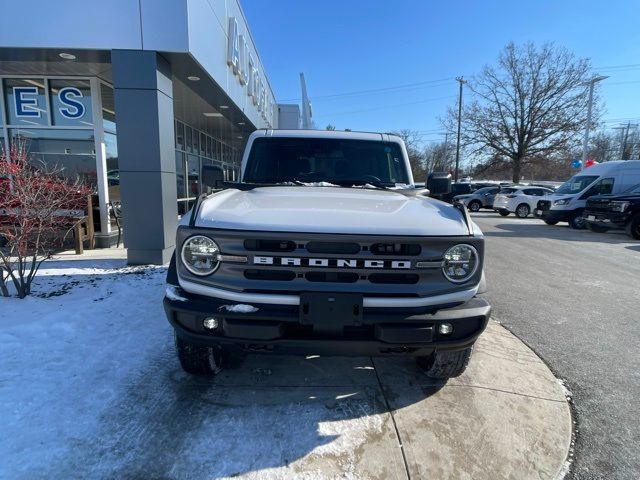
(337, 134)
(524, 187)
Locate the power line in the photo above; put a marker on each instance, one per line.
(378, 90)
(337, 114)
(621, 83)
(631, 66)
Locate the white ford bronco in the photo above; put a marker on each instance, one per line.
(326, 247)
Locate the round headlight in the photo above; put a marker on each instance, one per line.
(200, 255)
(460, 263)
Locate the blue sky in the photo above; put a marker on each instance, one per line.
(355, 45)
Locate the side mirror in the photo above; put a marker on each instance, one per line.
(212, 177)
(439, 183)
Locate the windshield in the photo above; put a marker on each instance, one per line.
(484, 190)
(576, 184)
(634, 189)
(337, 161)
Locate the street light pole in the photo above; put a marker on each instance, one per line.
(585, 142)
(462, 81)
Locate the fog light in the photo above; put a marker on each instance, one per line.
(445, 328)
(210, 323)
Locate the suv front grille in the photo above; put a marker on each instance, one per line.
(544, 204)
(597, 205)
(371, 265)
(256, 245)
(333, 277)
(333, 247)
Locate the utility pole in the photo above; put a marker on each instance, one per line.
(585, 142)
(446, 149)
(624, 142)
(462, 81)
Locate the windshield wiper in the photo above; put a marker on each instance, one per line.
(360, 182)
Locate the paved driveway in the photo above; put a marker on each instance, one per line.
(90, 388)
(574, 296)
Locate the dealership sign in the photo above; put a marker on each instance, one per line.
(26, 102)
(241, 61)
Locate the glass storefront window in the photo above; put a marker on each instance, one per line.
(179, 135)
(188, 135)
(203, 144)
(180, 175)
(71, 151)
(209, 147)
(113, 172)
(196, 142)
(193, 175)
(25, 102)
(71, 103)
(108, 108)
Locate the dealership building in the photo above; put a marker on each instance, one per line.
(134, 97)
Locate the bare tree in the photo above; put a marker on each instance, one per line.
(330, 127)
(412, 141)
(438, 157)
(37, 208)
(532, 104)
(601, 147)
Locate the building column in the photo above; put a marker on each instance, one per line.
(143, 94)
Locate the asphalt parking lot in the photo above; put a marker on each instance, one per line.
(574, 297)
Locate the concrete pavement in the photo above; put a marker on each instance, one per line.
(573, 296)
(103, 396)
(506, 417)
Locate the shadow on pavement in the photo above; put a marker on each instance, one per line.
(556, 232)
(262, 413)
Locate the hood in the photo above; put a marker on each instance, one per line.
(463, 196)
(558, 196)
(330, 210)
(616, 196)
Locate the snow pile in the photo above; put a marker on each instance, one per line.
(90, 387)
(173, 293)
(567, 393)
(239, 308)
(319, 184)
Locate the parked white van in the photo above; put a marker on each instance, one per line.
(568, 202)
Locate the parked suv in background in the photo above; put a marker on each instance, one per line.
(568, 202)
(481, 198)
(460, 189)
(615, 211)
(521, 200)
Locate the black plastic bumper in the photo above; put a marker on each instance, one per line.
(554, 215)
(608, 219)
(281, 329)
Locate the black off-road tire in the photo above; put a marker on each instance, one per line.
(197, 359)
(523, 210)
(504, 213)
(633, 227)
(597, 228)
(474, 206)
(443, 365)
(577, 221)
(551, 222)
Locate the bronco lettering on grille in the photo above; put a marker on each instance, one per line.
(331, 262)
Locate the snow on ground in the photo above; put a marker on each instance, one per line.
(90, 388)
